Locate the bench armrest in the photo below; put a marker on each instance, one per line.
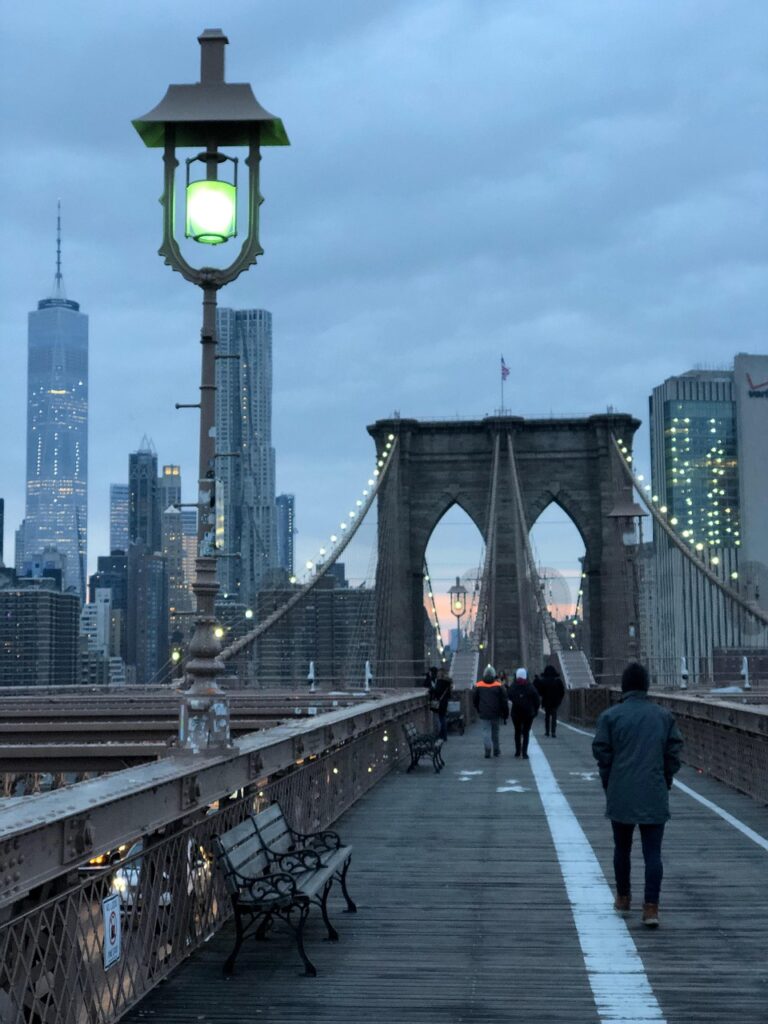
(270, 888)
(297, 860)
(321, 840)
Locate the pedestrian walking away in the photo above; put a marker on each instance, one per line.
(525, 706)
(637, 748)
(439, 695)
(490, 702)
(551, 690)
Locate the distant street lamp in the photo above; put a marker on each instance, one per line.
(458, 594)
(206, 116)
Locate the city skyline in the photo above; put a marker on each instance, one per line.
(603, 245)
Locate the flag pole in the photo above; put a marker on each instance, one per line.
(502, 385)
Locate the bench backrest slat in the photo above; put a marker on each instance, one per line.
(273, 829)
(240, 851)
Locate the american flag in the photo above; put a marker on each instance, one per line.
(504, 369)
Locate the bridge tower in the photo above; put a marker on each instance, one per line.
(571, 462)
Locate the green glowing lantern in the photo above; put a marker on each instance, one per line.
(211, 116)
(211, 211)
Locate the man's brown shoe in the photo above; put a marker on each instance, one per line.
(622, 904)
(651, 915)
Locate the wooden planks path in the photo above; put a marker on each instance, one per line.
(464, 915)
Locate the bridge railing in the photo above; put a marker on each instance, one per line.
(723, 738)
(144, 835)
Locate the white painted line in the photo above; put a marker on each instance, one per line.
(621, 990)
(744, 829)
(574, 728)
(710, 804)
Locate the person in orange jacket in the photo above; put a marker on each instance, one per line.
(490, 702)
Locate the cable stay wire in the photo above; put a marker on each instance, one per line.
(732, 595)
(385, 458)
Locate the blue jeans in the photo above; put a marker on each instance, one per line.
(440, 725)
(490, 733)
(651, 837)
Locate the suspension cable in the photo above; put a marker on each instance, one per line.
(481, 621)
(254, 634)
(733, 595)
(549, 626)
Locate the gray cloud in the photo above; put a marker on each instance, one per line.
(579, 186)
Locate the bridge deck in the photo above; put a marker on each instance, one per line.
(467, 911)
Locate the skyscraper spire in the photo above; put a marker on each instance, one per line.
(58, 288)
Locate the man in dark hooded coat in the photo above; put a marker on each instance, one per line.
(551, 690)
(637, 748)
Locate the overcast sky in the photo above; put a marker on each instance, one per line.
(578, 185)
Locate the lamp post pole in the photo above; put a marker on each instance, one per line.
(209, 114)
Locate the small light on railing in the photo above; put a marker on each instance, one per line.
(335, 771)
(385, 737)
(218, 632)
(369, 768)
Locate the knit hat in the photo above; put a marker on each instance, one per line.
(489, 675)
(521, 674)
(634, 677)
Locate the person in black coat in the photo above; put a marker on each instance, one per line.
(525, 706)
(551, 689)
(637, 748)
(439, 694)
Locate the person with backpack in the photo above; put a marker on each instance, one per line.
(525, 706)
(490, 702)
(551, 690)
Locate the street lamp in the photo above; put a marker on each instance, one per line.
(208, 115)
(458, 594)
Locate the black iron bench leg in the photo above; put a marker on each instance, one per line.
(351, 905)
(310, 971)
(229, 965)
(333, 935)
(264, 926)
(436, 761)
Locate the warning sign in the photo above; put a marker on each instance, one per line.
(111, 910)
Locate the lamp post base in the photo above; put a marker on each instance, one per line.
(204, 724)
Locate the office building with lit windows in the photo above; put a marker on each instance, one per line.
(702, 441)
(286, 528)
(118, 517)
(56, 515)
(246, 534)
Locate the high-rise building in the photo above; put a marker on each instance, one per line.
(707, 449)
(245, 485)
(189, 544)
(144, 497)
(147, 644)
(286, 528)
(112, 575)
(57, 433)
(333, 628)
(118, 517)
(38, 635)
(179, 594)
(169, 487)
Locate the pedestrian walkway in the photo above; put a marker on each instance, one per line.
(483, 898)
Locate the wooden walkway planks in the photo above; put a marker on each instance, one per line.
(464, 915)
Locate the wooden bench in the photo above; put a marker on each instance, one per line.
(423, 744)
(267, 884)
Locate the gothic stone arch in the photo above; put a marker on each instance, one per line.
(438, 464)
